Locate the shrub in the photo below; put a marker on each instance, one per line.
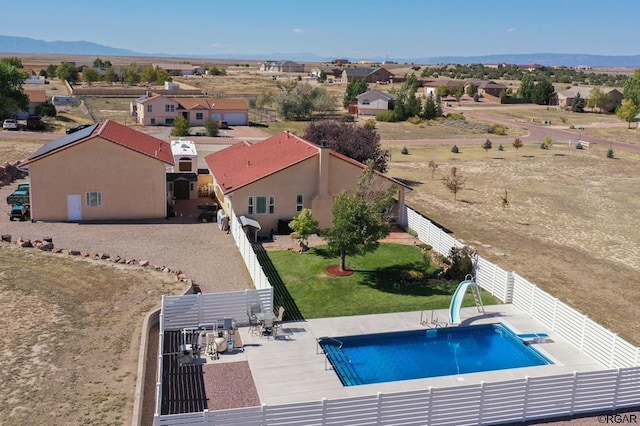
(500, 148)
(455, 116)
(610, 153)
(404, 150)
(563, 119)
(497, 129)
(455, 149)
(425, 247)
(387, 116)
(415, 120)
(412, 232)
(572, 127)
(543, 146)
(461, 262)
(579, 145)
(211, 127)
(347, 118)
(370, 123)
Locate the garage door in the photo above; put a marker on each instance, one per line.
(232, 119)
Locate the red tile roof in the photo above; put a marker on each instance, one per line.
(243, 163)
(36, 95)
(137, 141)
(115, 133)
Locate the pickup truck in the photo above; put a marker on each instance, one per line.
(20, 195)
(20, 213)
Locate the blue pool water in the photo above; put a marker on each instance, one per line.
(388, 357)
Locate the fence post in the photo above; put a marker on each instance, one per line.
(480, 408)
(509, 289)
(573, 393)
(323, 403)
(263, 408)
(429, 405)
(617, 390)
(613, 349)
(526, 398)
(379, 407)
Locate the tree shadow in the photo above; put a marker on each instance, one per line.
(405, 279)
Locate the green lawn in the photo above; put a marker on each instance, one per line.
(384, 281)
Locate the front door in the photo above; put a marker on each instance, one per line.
(181, 189)
(74, 208)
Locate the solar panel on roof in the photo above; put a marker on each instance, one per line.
(63, 141)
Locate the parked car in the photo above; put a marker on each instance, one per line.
(76, 128)
(19, 212)
(207, 216)
(10, 124)
(34, 122)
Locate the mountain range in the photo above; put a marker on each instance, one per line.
(11, 44)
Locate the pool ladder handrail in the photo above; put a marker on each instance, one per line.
(475, 290)
(326, 355)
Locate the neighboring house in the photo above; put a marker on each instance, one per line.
(37, 97)
(431, 87)
(281, 66)
(331, 73)
(36, 79)
(565, 97)
(182, 178)
(483, 87)
(104, 172)
(374, 101)
(159, 110)
(369, 74)
(180, 69)
(273, 180)
(532, 67)
(491, 88)
(341, 61)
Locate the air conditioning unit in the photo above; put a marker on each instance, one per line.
(185, 354)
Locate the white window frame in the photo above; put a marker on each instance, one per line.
(272, 204)
(250, 204)
(93, 199)
(149, 108)
(169, 108)
(199, 115)
(299, 202)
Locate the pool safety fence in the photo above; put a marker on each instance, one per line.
(483, 403)
(260, 279)
(617, 386)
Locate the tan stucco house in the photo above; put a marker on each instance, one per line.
(273, 180)
(159, 110)
(104, 172)
(373, 102)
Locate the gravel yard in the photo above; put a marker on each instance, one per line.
(201, 251)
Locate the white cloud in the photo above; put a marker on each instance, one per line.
(510, 30)
(298, 30)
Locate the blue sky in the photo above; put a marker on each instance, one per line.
(336, 28)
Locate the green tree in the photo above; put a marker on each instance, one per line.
(90, 75)
(430, 110)
(472, 90)
(110, 75)
(454, 181)
(542, 92)
(181, 127)
(217, 71)
(67, 71)
(631, 88)
(304, 225)
(599, 100)
(360, 218)
(12, 99)
(526, 86)
(51, 71)
(628, 111)
(486, 145)
(354, 88)
(610, 153)
(210, 127)
(578, 103)
(323, 102)
(131, 74)
(13, 61)
(47, 109)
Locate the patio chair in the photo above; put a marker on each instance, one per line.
(254, 324)
(277, 324)
(267, 328)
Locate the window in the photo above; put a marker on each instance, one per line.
(184, 165)
(272, 204)
(169, 108)
(153, 121)
(366, 102)
(168, 121)
(250, 206)
(149, 108)
(261, 204)
(199, 116)
(94, 199)
(299, 202)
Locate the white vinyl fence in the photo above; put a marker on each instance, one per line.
(615, 387)
(258, 276)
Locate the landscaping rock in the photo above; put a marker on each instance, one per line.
(74, 252)
(143, 263)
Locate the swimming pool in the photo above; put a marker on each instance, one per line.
(416, 354)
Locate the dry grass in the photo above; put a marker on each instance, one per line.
(72, 329)
(571, 225)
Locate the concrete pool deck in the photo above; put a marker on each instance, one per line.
(291, 368)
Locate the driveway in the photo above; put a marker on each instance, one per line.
(201, 251)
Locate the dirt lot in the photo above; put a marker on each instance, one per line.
(571, 224)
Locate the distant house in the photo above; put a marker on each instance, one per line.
(273, 180)
(369, 74)
(36, 97)
(36, 79)
(331, 73)
(180, 69)
(341, 61)
(375, 101)
(159, 110)
(104, 172)
(431, 87)
(531, 67)
(484, 87)
(491, 88)
(281, 66)
(565, 97)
